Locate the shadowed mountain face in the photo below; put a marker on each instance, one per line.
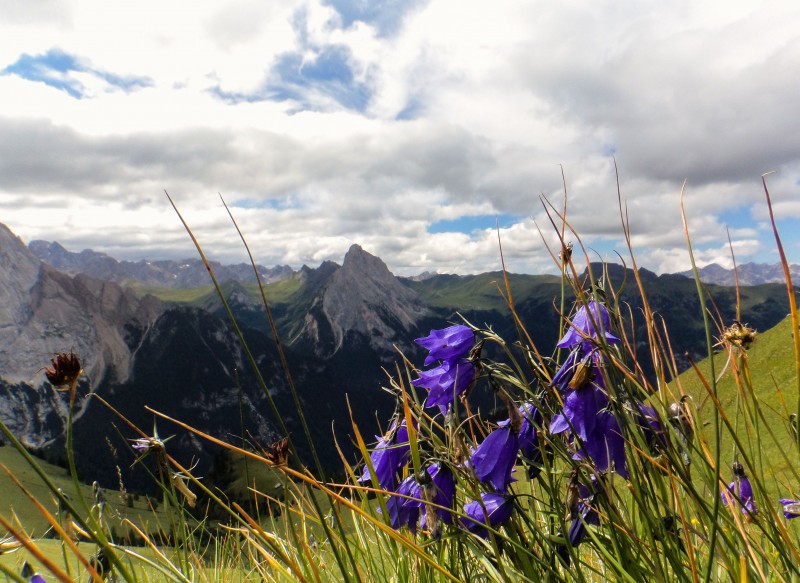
(341, 327)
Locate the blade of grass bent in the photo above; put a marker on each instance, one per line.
(254, 366)
(292, 389)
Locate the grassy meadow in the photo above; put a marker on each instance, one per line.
(592, 470)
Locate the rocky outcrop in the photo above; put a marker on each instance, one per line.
(363, 296)
(44, 312)
(360, 297)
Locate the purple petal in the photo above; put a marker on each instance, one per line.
(498, 510)
(495, 458)
(448, 344)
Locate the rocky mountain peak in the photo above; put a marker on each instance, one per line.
(363, 296)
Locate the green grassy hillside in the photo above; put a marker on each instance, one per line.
(765, 438)
(118, 506)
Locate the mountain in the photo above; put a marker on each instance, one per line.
(748, 274)
(44, 312)
(340, 325)
(360, 297)
(186, 273)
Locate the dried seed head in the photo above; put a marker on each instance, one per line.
(739, 335)
(566, 253)
(66, 370)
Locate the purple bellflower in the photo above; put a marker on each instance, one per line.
(494, 459)
(405, 511)
(741, 490)
(651, 426)
(440, 491)
(581, 409)
(448, 345)
(583, 327)
(605, 446)
(583, 513)
(586, 515)
(390, 454)
(791, 508)
(491, 510)
(436, 487)
(29, 574)
(446, 382)
(531, 417)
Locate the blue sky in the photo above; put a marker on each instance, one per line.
(410, 127)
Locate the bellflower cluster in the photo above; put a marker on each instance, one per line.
(455, 372)
(580, 380)
(493, 463)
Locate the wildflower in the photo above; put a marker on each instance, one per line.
(651, 426)
(404, 509)
(679, 419)
(742, 490)
(277, 453)
(390, 454)
(145, 445)
(101, 564)
(527, 431)
(494, 459)
(566, 253)
(449, 344)
(66, 370)
(582, 511)
(581, 408)
(433, 486)
(446, 382)
(605, 446)
(491, 510)
(583, 326)
(29, 574)
(791, 508)
(563, 377)
(577, 528)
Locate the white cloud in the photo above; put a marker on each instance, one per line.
(493, 100)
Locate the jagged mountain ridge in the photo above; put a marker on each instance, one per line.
(186, 273)
(362, 296)
(748, 274)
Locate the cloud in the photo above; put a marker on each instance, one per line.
(398, 125)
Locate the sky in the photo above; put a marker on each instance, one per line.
(425, 131)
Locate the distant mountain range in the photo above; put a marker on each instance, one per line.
(747, 274)
(186, 273)
(189, 273)
(151, 334)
